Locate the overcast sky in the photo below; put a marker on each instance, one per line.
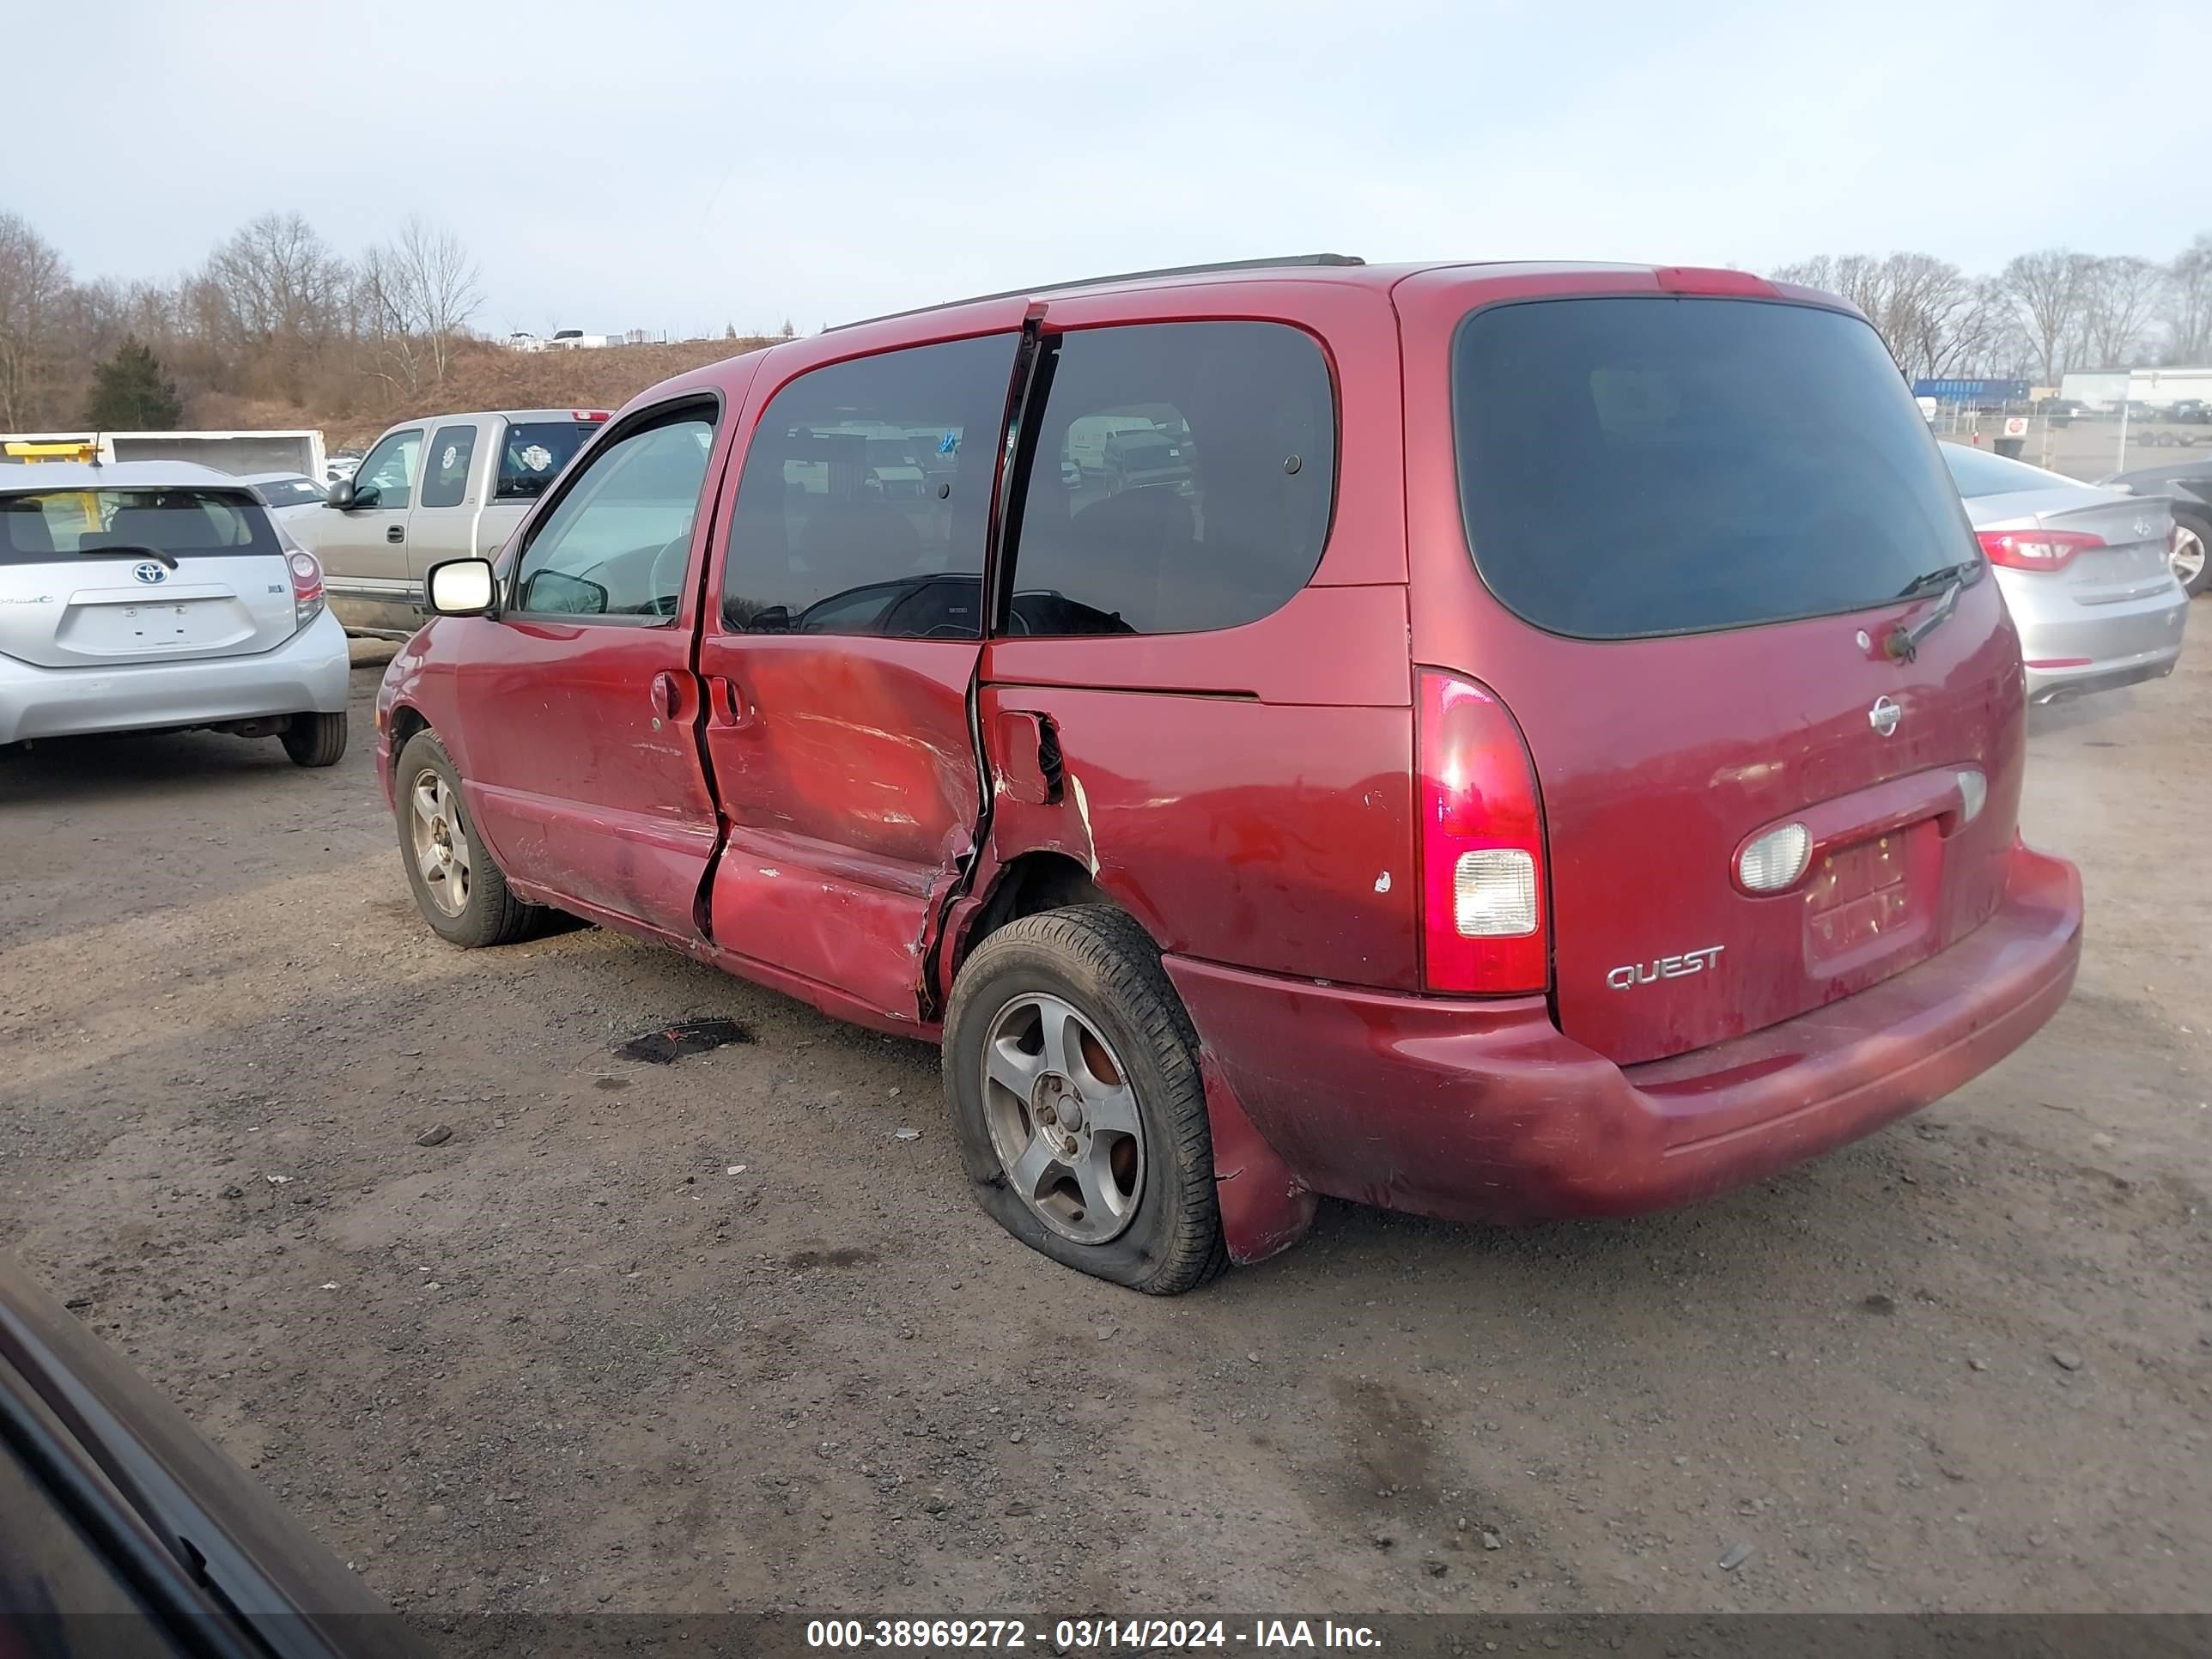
(641, 164)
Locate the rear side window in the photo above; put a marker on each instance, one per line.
(131, 524)
(446, 479)
(1182, 479)
(865, 497)
(532, 454)
(1641, 467)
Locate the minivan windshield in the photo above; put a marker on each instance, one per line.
(1636, 466)
(37, 526)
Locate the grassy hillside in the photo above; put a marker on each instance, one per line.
(484, 376)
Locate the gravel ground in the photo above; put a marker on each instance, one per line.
(712, 1336)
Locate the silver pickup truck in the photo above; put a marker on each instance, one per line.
(444, 486)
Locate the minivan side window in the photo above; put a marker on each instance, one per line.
(447, 478)
(1182, 479)
(865, 497)
(386, 480)
(617, 543)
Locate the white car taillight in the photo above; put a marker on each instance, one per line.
(307, 588)
(1776, 860)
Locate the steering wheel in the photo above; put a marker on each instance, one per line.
(665, 596)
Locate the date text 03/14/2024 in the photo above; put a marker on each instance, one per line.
(1083, 1635)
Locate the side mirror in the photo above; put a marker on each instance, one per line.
(461, 587)
(340, 495)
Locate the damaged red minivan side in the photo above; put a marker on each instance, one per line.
(1496, 741)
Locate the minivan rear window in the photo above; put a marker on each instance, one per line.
(1637, 466)
(37, 527)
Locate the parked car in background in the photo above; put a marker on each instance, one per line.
(2086, 574)
(343, 465)
(1298, 836)
(2186, 488)
(123, 1531)
(2191, 411)
(161, 596)
(285, 493)
(441, 487)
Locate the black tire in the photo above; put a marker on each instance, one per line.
(491, 915)
(2199, 525)
(315, 739)
(1096, 959)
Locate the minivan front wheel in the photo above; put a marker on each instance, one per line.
(1071, 1072)
(459, 890)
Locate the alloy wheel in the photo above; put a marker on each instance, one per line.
(442, 854)
(1063, 1118)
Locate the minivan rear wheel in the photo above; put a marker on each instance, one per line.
(459, 889)
(1071, 1069)
(315, 739)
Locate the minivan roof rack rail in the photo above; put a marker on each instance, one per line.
(1119, 277)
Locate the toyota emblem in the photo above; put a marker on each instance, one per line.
(1884, 715)
(149, 572)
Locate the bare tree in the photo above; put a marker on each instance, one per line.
(1934, 319)
(34, 287)
(2046, 291)
(280, 280)
(2122, 294)
(2188, 307)
(417, 293)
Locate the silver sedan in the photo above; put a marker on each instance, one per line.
(158, 596)
(2086, 574)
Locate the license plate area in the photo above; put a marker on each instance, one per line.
(130, 630)
(1871, 898)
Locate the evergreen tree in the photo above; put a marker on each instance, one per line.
(130, 393)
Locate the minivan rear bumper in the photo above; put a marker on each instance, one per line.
(1483, 1111)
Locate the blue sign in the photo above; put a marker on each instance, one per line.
(1972, 392)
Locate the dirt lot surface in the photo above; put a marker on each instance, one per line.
(710, 1335)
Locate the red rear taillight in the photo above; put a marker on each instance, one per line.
(2035, 549)
(593, 415)
(1483, 925)
(306, 588)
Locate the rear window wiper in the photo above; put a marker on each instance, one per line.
(1903, 644)
(127, 550)
(1942, 577)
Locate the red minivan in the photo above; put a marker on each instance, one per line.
(1498, 741)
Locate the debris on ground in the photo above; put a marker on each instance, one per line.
(2066, 1359)
(906, 1134)
(666, 1044)
(436, 1135)
(1736, 1556)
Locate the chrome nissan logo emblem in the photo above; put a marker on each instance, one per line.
(1884, 715)
(150, 573)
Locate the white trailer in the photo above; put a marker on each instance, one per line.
(235, 452)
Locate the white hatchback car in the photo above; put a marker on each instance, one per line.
(162, 596)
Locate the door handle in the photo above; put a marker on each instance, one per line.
(664, 695)
(394, 532)
(727, 704)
